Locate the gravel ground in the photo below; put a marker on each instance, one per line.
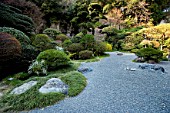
(113, 89)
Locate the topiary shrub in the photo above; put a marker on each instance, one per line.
(19, 35)
(12, 17)
(62, 37)
(88, 41)
(149, 54)
(77, 38)
(10, 47)
(10, 53)
(108, 47)
(53, 58)
(99, 48)
(75, 48)
(42, 42)
(86, 54)
(110, 31)
(51, 32)
(67, 43)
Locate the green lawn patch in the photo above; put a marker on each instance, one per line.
(34, 99)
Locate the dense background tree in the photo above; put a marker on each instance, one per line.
(30, 9)
(13, 17)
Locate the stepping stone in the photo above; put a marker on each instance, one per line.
(23, 88)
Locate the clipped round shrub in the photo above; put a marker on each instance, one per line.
(42, 42)
(75, 48)
(19, 35)
(77, 38)
(10, 53)
(110, 30)
(51, 32)
(66, 43)
(10, 47)
(53, 58)
(108, 47)
(99, 48)
(150, 54)
(62, 37)
(86, 54)
(87, 41)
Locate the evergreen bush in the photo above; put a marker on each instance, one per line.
(150, 54)
(53, 58)
(86, 54)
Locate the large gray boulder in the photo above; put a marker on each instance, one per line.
(54, 85)
(152, 67)
(23, 88)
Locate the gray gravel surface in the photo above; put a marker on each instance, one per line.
(113, 89)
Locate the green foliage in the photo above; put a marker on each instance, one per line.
(66, 43)
(75, 48)
(38, 68)
(42, 42)
(13, 18)
(150, 54)
(10, 53)
(110, 30)
(53, 58)
(88, 41)
(19, 35)
(51, 32)
(108, 47)
(10, 47)
(99, 48)
(62, 37)
(34, 99)
(76, 82)
(77, 37)
(86, 54)
(128, 46)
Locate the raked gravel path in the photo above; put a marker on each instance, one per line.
(113, 89)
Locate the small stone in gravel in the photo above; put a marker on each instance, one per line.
(84, 70)
(54, 85)
(120, 54)
(23, 88)
(152, 67)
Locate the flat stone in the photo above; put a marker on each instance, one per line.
(23, 88)
(84, 70)
(54, 85)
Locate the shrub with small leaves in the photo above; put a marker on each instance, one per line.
(77, 38)
(86, 54)
(62, 37)
(66, 43)
(10, 54)
(38, 67)
(42, 42)
(108, 47)
(53, 58)
(150, 54)
(75, 48)
(19, 35)
(99, 47)
(52, 32)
